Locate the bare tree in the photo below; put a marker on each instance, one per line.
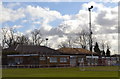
(108, 49)
(8, 36)
(105, 45)
(103, 48)
(69, 43)
(63, 45)
(82, 39)
(108, 45)
(36, 37)
(22, 39)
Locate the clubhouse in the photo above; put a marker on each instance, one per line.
(42, 56)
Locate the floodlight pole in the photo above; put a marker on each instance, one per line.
(90, 39)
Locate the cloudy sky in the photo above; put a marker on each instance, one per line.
(57, 20)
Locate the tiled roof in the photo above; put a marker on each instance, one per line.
(29, 49)
(75, 51)
(115, 55)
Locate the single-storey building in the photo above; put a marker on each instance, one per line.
(79, 56)
(35, 55)
(42, 56)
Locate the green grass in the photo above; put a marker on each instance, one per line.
(59, 72)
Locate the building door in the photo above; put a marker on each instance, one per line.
(72, 60)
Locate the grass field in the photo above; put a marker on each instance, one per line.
(61, 72)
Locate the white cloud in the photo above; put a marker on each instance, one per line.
(57, 39)
(111, 39)
(70, 26)
(45, 13)
(55, 31)
(10, 15)
(107, 17)
(104, 22)
(24, 21)
(104, 19)
(17, 26)
(37, 22)
(45, 28)
(66, 17)
(28, 31)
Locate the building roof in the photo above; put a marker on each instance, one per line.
(115, 55)
(76, 51)
(32, 49)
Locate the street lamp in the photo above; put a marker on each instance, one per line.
(90, 40)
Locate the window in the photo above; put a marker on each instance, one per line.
(53, 59)
(63, 59)
(96, 61)
(80, 60)
(18, 60)
(11, 61)
(42, 58)
(89, 61)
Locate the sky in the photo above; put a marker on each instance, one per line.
(59, 20)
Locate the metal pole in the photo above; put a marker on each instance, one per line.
(90, 40)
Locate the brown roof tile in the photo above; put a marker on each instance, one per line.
(75, 51)
(29, 49)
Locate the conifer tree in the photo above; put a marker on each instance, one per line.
(108, 51)
(96, 49)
